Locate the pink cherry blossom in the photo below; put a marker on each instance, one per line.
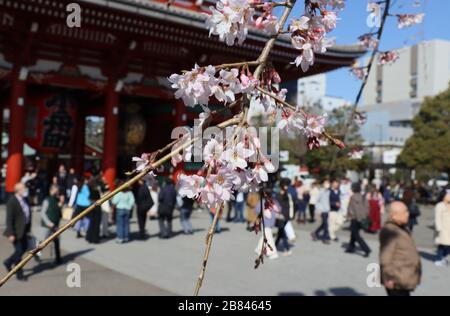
(407, 20)
(386, 58)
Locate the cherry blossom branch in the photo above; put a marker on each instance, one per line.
(335, 141)
(240, 64)
(271, 42)
(107, 197)
(366, 77)
(260, 259)
(209, 238)
(278, 99)
(272, 4)
(262, 60)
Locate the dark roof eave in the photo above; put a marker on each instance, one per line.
(197, 20)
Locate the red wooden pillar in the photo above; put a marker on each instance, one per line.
(110, 136)
(2, 107)
(79, 143)
(16, 132)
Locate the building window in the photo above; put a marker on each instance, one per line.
(379, 91)
(413, 85)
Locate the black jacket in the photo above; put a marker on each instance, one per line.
(283, 200)
(15, 219)
(167, 199)
(144, 199)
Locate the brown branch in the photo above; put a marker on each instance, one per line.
(271, 42)
(276, 98)
(240, 64)
(209, 238)
(260, 259)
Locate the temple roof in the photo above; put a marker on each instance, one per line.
(136, 41)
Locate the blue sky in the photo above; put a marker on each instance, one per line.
(353, 23)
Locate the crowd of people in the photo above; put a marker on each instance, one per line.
(332, 202)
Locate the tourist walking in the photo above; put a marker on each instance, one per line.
(323, 208)
(286, 213)
(144, 204)
(334, 218)
(252, 202)
(376, 208)
(51, 216)
(124, 203)
(442, 226)
(185, 215)
(313, 197)
(95, 216)
(81, 203)
(400, 264)
(358, 211)
(409, 198)
(18, 225)
(239, 207)
(167, 199)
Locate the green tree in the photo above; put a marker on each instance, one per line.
(428, 149)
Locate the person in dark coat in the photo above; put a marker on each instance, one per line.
(286, 203)
(400, 263)
(410, 201)
(166, 204)
(144, 204)
(95, 217)
(18, 224)
(358, 211)
(185, 215)
(51, 216)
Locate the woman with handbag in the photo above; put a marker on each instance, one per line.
(358, 212)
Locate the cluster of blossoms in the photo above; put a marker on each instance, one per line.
(312, 126)
(239, 167)
(407, 20)
(360, 117)
(367, 41)
(308, 32)
(231, 19)
(358, 72)
(198, 85)
(386, 58)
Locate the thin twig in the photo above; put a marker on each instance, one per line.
(276, 98)
(240, 64)
(260, 258)
(209, 238)
(364, 83)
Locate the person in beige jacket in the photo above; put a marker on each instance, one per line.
(442, 224)
(401, 269)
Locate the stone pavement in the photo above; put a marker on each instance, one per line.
(172, 266)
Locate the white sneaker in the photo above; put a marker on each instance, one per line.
(441, 263)
(274, 256)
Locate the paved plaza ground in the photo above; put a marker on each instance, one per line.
(171, 267)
